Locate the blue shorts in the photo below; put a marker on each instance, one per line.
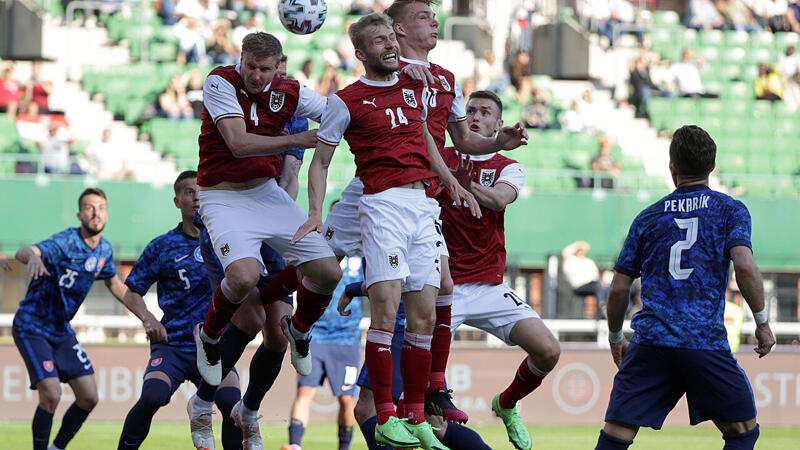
(652, 379)
(273, 262)
(338, 363)
(64, 358)
(397, 350)
(178, 365)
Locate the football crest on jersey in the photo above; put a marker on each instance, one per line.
(90, 264)
(48, 365)
(198, 255)
(225, 249)
(444, 82)
(394, 260)
(155, 362)
(276, 101)
(410, 98)
(487, 176)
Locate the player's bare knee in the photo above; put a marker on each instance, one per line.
(87, 402)
(274, 340)
(363, 410)
(550, 355)
(49, 398)
(241, 280)
(327, 276)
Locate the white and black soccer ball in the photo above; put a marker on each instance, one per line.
(302, 16)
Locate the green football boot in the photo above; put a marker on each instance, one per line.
(395, 434)
(424, 432)
(518, 435)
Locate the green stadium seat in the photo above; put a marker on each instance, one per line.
(688, 38)
(762, 110)
(583, 142)
(736, 54)
(738, 91)
(666, 18)
(713, 86)
(759, 163)
(709, 53)
(764, 39)
(761, 55)
(785, 164)
(730, 71)
(737, 38)
(783, 40)
(687, 110)
(712, 38)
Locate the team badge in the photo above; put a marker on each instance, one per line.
(198, 255)
(48, 365)
(155, 362)
(329, 234)
(276, 101)
(408, 96)
(225, 249)
(90, 264)
(444, 82)
(487, 176)
(394, 260)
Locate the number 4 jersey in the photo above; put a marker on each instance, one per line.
(52, 301)
(680, 246)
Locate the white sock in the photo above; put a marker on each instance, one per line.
(248, 414)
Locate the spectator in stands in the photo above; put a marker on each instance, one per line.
(37, 91)
(768, 84)
(643, 86)
(10, 90)
(738, 15)
(191, 43)
(605, 164)
(306, 75)
(205, 10)
(589, 112)
(572, 121)
(789, 68)
(345, 50)
(703, 15)
(793, 16)
(363, 7)
(598, 13)
(329, 83)
(173, 103)
(582, 275)
(194, 92)
(167, 11)
(772, 13)
(219, 49)
(104, 157)
(468, 86)
(537, 113)
(252, 25)
(686, 74)
(520, 76)
(55, 152)
(621, 13)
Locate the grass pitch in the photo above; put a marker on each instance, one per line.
(172, 436)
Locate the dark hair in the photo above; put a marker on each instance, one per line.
(398, 8)
(693, 152)
(182, 176)
(489, 95)
(357, 29)
(262, 45)
(91, 191)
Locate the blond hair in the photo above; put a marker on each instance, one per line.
(358, 29)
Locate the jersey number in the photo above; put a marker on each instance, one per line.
(68, 279)
(690, 225)
(514, 298)
(400, 117)
(253, 114)
(182, 276)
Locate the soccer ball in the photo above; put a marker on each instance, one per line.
(302, 16)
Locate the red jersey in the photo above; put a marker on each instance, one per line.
(477, 246)
(266, 113)
(382, 122)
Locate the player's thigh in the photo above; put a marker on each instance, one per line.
(274, 339)
(323, 272)
(71, 360)
(536, 339)
(646, 387)
(85, 389)
(38, 354)
(494, 308)
(716, 387)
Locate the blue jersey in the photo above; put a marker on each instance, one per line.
(334, 328)
(680, 246)
(173, 261)
(293, 126)
(52, 301)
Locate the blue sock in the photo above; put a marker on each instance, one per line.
(345, 436)
(264, 369)
(368, 430)
(231, 346)
(226, 398)
(296, 430)
(41, 425)
(459, 437)
(70, 424)
(608, 442)
(155, 394)
(743, 441)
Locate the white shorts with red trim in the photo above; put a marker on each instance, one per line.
(493, 308)
(342, 228)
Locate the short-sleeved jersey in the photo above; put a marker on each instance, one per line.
(477, 246)
(680, 246)
(334, 328)
(52, 301)
(382, 122)
(224, 95)
(174, 262)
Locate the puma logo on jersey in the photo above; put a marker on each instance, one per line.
(215, 86)
(369, 103)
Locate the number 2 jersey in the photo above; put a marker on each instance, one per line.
(680, 246)
(174, 262)
(52, 301)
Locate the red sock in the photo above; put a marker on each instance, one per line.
(310, 307)
(440, 347)
(378, 358)
(285, 283)
(415, 364)
(219, 313)
(525, 381)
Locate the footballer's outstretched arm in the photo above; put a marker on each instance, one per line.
(135, 304)
(495, 197)
(32, 256)
(317, 183)
(748, 277)
(457, 192)
(471, 143)
(243, 144)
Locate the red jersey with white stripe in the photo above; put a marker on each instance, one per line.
(382, 123)
(266, 113)
(477, 246)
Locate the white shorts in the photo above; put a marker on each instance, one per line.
(441, 245)
(342, 229)
(239, 221)
(399, 238)
(493, 308)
